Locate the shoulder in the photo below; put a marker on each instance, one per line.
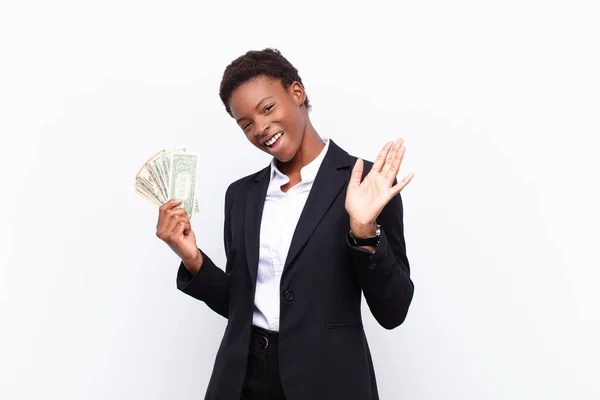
(337, 157)
(368, 164)
(242, 185)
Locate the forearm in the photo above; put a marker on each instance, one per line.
(194, 265)
(385, 280)
(363, 231)
(210, 284)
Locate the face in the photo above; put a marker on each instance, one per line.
(271, 117)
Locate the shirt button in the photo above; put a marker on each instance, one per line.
(372, 266)
(288, 295)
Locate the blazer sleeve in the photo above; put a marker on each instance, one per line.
(211, 283)
(385, 274)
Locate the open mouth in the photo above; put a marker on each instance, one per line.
(271, 142)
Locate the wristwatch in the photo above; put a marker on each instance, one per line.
(368, 241)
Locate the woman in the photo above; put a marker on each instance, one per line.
(304, 237)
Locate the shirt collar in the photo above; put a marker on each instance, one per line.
(308, 173)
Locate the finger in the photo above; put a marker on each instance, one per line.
(175, 212)
(380, 160)
(397, 188)
(388, 163)
(395, 163)
(180, 230)
(170, 204)
(168, 231)
(357, 171)
(169, 215)
(164, 208)
(165, 217)
(170, 226)
(188, 229)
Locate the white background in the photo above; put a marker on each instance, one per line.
(498, 103)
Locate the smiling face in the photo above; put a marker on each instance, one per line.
(272, 117)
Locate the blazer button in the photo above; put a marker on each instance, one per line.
(263, 342)
(288, 295)
(372, 266)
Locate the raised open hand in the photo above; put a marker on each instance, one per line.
(365, 200)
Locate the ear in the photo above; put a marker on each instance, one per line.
(296, 90)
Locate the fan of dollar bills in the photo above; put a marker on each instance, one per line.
(169, 175)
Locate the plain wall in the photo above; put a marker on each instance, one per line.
(498, 103)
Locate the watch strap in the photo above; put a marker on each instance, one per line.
(368, 241)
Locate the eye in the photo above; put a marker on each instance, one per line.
(268, 108)
(247, 124)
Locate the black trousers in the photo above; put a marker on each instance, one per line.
(262, 375)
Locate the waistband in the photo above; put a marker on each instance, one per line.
(264, 341)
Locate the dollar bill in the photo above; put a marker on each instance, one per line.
(152, 166)
(183, 180)
(146, 179)
(160, 174)
(141, 190)
(167, 161)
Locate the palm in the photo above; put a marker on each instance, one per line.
(371, 193)
(365, 200)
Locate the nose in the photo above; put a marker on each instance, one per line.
(262, 127)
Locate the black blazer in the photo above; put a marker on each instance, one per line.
(323, 350)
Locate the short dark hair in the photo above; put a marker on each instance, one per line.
(268, 62)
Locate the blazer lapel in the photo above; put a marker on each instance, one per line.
(332, 176)
(255, 203)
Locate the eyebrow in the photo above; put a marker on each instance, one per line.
(258, 104)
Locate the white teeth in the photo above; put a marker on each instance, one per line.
(273, 139)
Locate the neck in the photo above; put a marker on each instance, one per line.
(310, 148)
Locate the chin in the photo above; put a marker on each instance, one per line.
(287, 156)
(284, 160)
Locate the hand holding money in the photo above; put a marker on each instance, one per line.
(168, 179)
(175, 229)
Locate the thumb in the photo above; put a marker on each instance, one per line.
(356, 173)
(181, 230)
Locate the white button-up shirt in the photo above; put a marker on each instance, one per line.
(280, 216)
